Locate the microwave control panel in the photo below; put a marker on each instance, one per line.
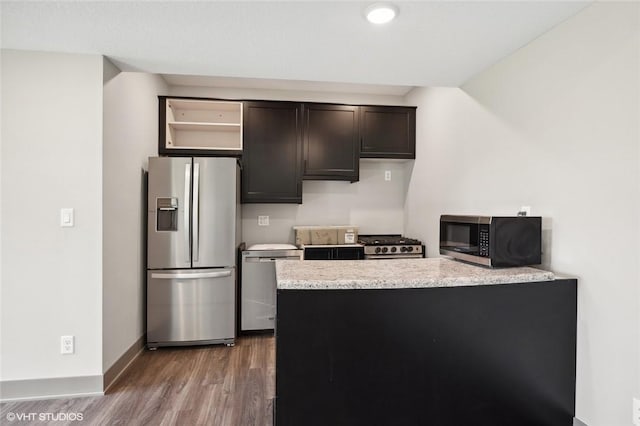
(483, 243)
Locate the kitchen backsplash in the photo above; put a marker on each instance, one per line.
(373, 204)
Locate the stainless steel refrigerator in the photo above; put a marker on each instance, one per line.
(193, 232)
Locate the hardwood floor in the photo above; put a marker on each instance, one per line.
(212, 385)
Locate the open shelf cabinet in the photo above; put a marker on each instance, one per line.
(191, 126)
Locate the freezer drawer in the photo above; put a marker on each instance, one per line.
(188, 307)
(258, 290)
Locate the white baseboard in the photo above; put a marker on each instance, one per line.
(119, 367)
(59, 387)
(69, 387)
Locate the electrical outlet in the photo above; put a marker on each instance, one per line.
(636, 411)
(66, 345)
(263, 220)
(525, 211)
(387, 175)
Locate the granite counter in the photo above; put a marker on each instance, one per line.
(396, 273)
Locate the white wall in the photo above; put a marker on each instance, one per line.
(51, 158)
(130, 137)
(376, 206)
(554, 126)
(286, 95)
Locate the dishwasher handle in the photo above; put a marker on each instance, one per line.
(268, 259)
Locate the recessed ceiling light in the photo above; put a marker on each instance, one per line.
(381, 13)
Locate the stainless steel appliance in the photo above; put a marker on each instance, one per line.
(496, 241)
(191, 239)
(258, 284)
(393, 246)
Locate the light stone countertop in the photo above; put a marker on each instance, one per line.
(396, 273)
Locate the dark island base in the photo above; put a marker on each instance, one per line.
(478, 355)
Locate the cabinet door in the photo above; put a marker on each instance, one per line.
(387, 132)
(331, 146)
(272, 159)
(333, 253)
(319, 253)
(349, 253)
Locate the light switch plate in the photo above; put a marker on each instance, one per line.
(387, 175)
(263, 220)
(66, 217)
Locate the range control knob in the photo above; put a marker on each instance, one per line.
(384, 249)
(377, 249)
(393, 249)
(403, 249)
(410, 248)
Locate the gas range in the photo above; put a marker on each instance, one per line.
(393, 246)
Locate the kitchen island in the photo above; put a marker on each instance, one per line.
(423, 342)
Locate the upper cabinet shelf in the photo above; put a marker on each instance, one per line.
(213, 127)
(197, 126)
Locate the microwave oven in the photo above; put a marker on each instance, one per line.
(495, 241)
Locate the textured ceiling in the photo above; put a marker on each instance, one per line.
(429, 44)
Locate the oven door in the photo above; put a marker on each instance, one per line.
(460, 234)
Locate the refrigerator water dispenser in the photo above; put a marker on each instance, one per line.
(167, 214)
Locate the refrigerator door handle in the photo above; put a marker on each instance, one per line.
(187, 203)
(190, 275)
(196, 211)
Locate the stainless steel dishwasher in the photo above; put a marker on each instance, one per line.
(258, 285)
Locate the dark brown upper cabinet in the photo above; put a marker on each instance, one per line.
(331, 142)
(387, 132)
(272, 159)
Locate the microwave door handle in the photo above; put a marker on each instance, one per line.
(187, 203)
(196, 211)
